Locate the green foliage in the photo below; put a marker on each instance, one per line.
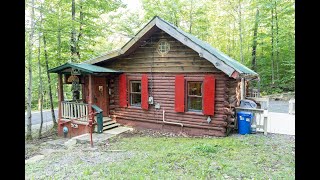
(217, 22)
(56, 25)
(107, 25)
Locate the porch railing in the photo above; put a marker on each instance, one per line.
(74, 110)
(259, 119)
(260, 114)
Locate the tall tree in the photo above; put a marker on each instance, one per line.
(240, 31)
(73, 40)
(254, 44)
(40, 85)
(40, 90)
(190, 16)
(29, 122)
(55, 125)
(277, 37)
(272, 47)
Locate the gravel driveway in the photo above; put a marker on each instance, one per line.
(278, 106)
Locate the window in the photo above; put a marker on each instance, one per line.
(163, 47)
(135, 93)
(194, 96)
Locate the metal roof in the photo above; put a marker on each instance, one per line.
(216, 57)
(242, 69)
(84, 67)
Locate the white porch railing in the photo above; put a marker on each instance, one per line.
(259, 120)
(76, 111)
(260, 114)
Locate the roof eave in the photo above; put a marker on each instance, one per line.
(163, 25)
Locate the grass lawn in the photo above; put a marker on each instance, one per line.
(145, 156)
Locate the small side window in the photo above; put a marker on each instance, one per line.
(135, 93)
(194, 96)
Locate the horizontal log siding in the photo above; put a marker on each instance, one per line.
(180, 58)
(162, 90)
(161, 84)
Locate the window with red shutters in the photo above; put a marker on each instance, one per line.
(198, 95)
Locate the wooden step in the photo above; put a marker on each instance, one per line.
(108, 123)
(106, 119)
(111, 126)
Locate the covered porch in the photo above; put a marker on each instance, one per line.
(89, 98)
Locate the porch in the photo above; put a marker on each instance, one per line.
(88, 108)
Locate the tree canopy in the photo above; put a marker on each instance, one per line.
(259, 34)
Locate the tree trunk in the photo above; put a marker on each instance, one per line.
(73, 46)
(59, 34)
(240, 32)
(277, 36)
(29, 123)
(40, 78)
(234, 35)
(254, 45)
(190, 16)
(272, 48)
(80, 30)
(55, 125)
(40, 85)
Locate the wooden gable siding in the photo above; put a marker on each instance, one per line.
(161, 87)
(180, 58)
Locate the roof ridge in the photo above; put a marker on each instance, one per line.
(229, 64)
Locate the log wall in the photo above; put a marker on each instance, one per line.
(161, 71)
(161, 87)
(180, 58)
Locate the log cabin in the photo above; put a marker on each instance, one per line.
(163, 79)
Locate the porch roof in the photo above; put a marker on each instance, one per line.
(84, 67)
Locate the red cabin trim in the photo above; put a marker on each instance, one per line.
(208, 95)
(179, 93)
(123, 90)
(144, 92)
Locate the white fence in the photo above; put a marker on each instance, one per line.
(74, 110)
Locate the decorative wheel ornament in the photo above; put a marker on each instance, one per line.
(73, 78)
(163, 47)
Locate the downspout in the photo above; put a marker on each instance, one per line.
(163, 111)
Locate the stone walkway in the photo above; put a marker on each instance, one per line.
(97, 138)
(65, 144)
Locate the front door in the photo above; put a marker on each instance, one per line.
(100, 94)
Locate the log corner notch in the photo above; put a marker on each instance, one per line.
(235, 75)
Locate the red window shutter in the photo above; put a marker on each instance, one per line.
(208, 95)
(179, 93)
(144, 92)
(123, 90)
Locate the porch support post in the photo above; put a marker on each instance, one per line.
(90, 91)
(243, 89)
(60, 96)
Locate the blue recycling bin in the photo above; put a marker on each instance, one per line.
(244, 122)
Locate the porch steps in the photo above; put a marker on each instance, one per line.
(109, 124)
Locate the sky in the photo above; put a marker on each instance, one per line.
(132, 4)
